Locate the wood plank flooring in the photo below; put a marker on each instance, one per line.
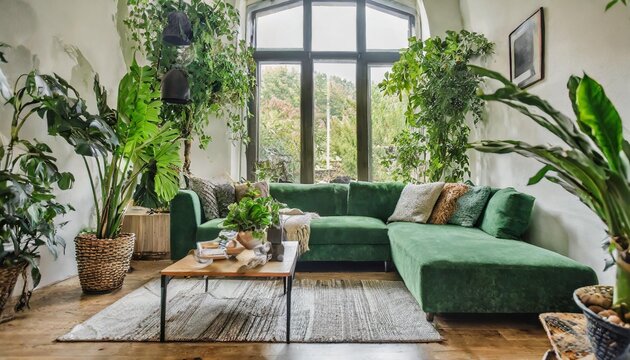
(56, 309)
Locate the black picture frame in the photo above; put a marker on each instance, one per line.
(527, 51)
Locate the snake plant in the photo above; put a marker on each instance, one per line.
(592, 165)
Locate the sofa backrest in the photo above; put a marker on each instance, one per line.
(376, 200)
(324, 199)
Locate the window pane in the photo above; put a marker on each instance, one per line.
(335, 121)
(279, 112)
(388, 119)
(334, 27)
(385, 30)
(280, 28)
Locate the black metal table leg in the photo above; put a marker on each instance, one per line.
(206, 278)
(289, 281)
(284, 285)
(165, 280)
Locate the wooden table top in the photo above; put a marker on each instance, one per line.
(188, 266)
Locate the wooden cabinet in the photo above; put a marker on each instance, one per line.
(153, 237)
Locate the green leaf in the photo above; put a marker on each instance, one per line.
(598, 114)
(540, 175)
(65, 181)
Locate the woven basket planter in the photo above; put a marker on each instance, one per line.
(103, 263)
(8, 278)
(608, 340)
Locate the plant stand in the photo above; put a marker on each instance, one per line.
(152, 233)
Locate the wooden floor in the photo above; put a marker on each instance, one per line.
(56, 309)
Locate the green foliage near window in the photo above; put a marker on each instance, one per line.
(440, 92)
(407, 157)
(122, 143)
(29, 211)
(598, 175)
(220, 67)
(253, 214)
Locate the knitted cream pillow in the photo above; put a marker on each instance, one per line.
(416, 202)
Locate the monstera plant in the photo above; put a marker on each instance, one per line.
(117, 146)
(29, 211)
(593, 164)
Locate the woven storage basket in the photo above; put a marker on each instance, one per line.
(103, 263)
(8, 278)
(608, 340)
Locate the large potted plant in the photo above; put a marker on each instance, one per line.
(594, 166)
(439, 93)
(28, 176)
(251, 217)
(121, 144)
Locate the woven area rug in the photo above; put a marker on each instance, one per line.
(323, 311)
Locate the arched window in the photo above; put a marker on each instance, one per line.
(318, 113)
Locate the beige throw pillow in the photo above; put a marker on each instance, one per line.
(447, 203)
(416, 202)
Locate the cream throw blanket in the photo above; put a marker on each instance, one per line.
(297, 227)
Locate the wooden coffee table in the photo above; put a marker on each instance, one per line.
(188, 267)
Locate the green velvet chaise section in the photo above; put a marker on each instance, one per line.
(186, 216)
(449, 268)
(324, 199)
(348, 230)
(376, 200)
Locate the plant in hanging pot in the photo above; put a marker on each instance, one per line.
(251, 217)
(28, 206)
(116, 146)
(594, 166)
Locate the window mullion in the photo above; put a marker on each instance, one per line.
(307, 166)
(363, 123)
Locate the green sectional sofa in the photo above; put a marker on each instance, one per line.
(447, 268)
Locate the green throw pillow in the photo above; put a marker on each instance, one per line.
(507, 214)
(470, 206)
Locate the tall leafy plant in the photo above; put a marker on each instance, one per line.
(218, 64)
(122, 143)
(593, 165)
(440, 92)
(28, 177)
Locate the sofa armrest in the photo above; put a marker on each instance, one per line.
(185, 219)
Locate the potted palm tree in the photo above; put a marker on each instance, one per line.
(28, 206)
(594, 166)
(116, 147)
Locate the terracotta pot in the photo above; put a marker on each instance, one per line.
(249, 241)
(103, 263)
(608, 340)
(8, 278)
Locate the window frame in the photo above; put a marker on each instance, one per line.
(362, 57)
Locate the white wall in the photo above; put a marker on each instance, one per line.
(39, 31)
(579, 37)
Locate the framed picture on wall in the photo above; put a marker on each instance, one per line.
(527, 51)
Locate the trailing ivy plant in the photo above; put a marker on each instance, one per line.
(29, 211)
(440, 91)
(218, 64)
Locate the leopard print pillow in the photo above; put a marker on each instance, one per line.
(447, 203)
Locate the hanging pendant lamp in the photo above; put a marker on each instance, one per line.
(178, 31)
(175, 88)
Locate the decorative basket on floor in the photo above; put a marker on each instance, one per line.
(608, 340)
(103, 263)
(8, 278)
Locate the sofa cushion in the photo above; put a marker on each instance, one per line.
(324, 199)
(348, 230)
(449, 268)
(376, 200)
(507, 214)
(447, 202)
(416, 202)
(205, 190)
(209, 230)
(470, 206)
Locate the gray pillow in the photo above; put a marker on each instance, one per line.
(470, 206)
(416, 202)
(205, 190)
(225, 196)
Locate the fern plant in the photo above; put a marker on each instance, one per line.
(594, 165)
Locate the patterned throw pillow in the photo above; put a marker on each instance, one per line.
(470, 206)
(225, 196)
(416, 202)
(205, 190)
(242, 188)
(447, 203)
